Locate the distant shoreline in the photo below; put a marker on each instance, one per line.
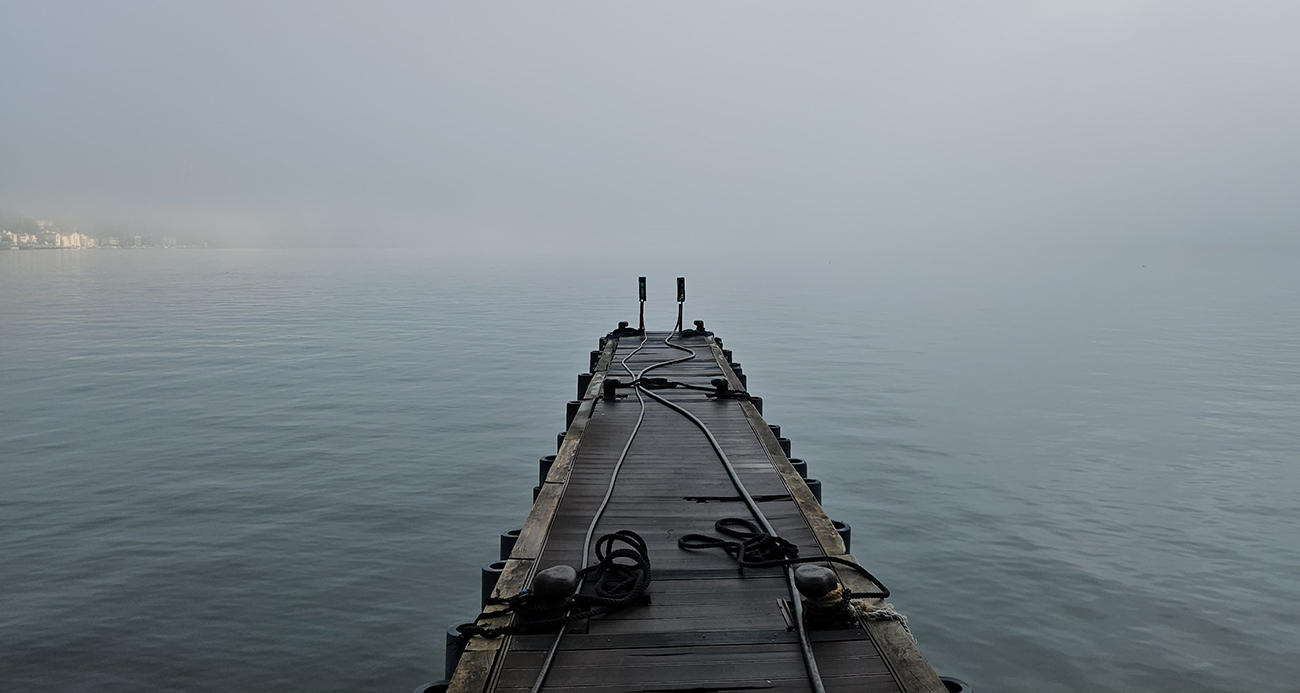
(125, 247)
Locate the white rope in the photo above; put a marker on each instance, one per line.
(882, 611)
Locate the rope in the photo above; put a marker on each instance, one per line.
(618, 586)
(666, 384)
(759, 549)
(756, 548)
(882, 612)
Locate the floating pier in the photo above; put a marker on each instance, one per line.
(667, 459)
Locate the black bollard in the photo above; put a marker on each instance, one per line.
(491, 574)
(785, 445)
(595, 359)
(544, 468)
(508, 540)
(559, 441)
(815, 581)
(776, 429)
(799, 466)
(721, 389)
(815, 486)
(537, 491)
(584, 381)
(758, 404)
(726, 354)
(433, 687)
(571, 412)
(846, 533)
(823, 596)
(555, 583)
(744, 381)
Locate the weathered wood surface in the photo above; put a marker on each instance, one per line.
(706, 628)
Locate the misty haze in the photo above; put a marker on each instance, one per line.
(292, 297)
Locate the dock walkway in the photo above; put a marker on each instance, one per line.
(706, 628)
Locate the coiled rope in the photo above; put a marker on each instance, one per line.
(618, 585)
(758, 549)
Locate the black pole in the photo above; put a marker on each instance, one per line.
(681, 299)
(641, 287)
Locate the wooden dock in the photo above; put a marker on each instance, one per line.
(705, 628)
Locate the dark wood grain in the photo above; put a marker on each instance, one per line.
(705, 627)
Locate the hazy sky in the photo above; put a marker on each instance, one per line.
(552, 125)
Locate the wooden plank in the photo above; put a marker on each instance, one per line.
(474, 669)
(703, 667)
(914, 673)
(533, 535)
(682, 639)
(705, 627)
(512, 577)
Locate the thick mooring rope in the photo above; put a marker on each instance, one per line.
(754, 548)
(618, 585)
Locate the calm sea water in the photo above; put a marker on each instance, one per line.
(281, 471)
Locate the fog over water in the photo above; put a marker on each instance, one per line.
(1045, 254)
(532, 126)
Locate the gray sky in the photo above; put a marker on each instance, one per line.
(546, 125)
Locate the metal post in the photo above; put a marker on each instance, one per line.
(641, 288)
(681, 299)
